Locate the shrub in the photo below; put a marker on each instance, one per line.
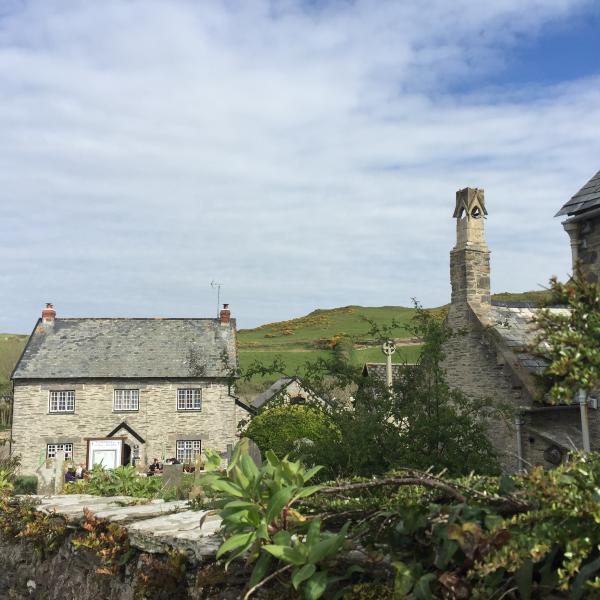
(26, 484)
(282, 428)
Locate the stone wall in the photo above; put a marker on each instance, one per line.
(589, 248)
(154, 531)
(471, 365)
(157, 421)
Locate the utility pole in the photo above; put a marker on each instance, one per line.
(216, 285)
(585, 423)
(389, 348)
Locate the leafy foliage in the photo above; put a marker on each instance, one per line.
(19, 520)
(122, 481)
(282, 428)
(416, 535)
(109, 541)
(569, 339)
(260, 521)
(417, 423)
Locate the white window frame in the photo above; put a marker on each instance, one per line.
(187, 450)
(189, 399)
(66, 447)
(126, 400)
(58, 398)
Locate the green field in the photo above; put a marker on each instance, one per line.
(11, 347)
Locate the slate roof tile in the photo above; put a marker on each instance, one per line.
(587, 198)
(129, 348)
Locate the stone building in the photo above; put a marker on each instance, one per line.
(286, 390)
(490, 356)
(119, 391)
(583, 226)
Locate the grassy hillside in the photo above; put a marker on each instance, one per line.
(11, 347)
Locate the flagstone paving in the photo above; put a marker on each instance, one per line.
(153, 526)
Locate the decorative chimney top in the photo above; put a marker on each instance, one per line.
(470, 212)
(225, 315)
(48, 314)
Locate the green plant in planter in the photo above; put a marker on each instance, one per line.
(260, 521)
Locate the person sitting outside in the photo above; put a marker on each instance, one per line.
(70, 476)
(80, 471)
(154, 467)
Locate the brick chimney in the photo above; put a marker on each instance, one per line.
(48, 314)
(225, 315)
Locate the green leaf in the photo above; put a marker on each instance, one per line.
(506, 485)
(308, 491)
(315, 587)
(240, 504)
(311, 473)
(422, 589)
(302, 574)
(314, 532)
(404, 579)
(272, 459)
(249, 468)
(277, 502)
(261, 568)
(283, 538)
(285, 553)
(586, 572)
(228, 487)
(327, 546)
(524, 579)
(236, 541)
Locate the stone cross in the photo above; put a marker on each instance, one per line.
(389, 348)
(59, 472)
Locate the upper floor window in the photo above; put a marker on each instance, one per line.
(62, 401)
(189, 399)
(52, 449)
(127, 400)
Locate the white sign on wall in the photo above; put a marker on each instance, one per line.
(105, 452)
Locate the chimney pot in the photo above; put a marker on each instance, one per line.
(225, 315)
(48, 314)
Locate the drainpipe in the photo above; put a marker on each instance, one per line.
(518, 423)
(585, 424)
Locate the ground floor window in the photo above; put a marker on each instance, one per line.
(187, 450)
(52, 449)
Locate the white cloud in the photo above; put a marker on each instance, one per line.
(304, 155)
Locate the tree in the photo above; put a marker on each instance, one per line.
(418, 423)
(570, 339)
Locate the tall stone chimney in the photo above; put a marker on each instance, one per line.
(470, 257)
(225, 315)
(48, 314)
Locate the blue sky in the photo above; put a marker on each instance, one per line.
(306, 155)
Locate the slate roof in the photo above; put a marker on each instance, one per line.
(271, 391)
(587, 198)
(379, 370)
(514, 325)
(129, 348)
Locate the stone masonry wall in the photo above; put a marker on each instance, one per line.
(472, 367)
(589, 248)
(158, 421)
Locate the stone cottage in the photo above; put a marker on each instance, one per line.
(491, 357)
(119, 391)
